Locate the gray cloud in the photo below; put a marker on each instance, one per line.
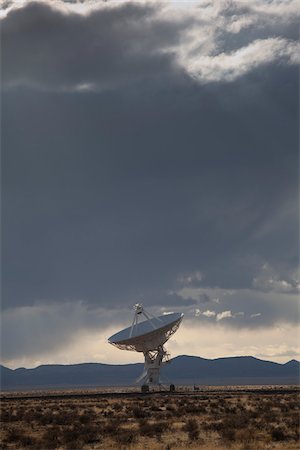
(43, 327)
(88, 214)
(127, 176)
(268, 280)
(45, 46)
(247, 308)
(59, 46)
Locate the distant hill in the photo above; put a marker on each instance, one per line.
(233, 370)
(239, 370)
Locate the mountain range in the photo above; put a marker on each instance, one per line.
(241, 370)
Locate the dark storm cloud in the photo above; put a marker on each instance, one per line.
(47, 46)
(110, 195)
(125, 196)
(158, 298)
(43, 328)
(52, 45)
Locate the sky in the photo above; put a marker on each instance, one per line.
(150, 153)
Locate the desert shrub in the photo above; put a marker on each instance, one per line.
(86, 417)
(13, 435)
(278, 434)
(73, 445)
(51, 437)
(230, 410)
(4, 445)
(26, 441)
(236, 421)
(117, 407)
(14, 416)
(171, 408)
(145, 427)
(241, 408)
(231, 422)
(125, 437)
(30, 415)
(68, 435)
(253, 414)
(295, 404)
(89, 434)
(5, 415)
(60, 417)
(153, 429)
(296, 434)
(79, 434)
(111, 427)
(194, 409)
(139, 413)
(214, 426)
(192, 428)
(182, 403)
(269, 417)
(108, 413)
(44, 419)
(160, 427)
(245, 436)
(293, 425)
(228, 434)
(284, 408)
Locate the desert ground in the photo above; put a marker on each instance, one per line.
(213, 418)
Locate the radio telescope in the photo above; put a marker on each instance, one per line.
(148, 337)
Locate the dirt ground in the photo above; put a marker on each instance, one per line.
(208, 419)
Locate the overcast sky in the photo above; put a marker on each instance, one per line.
(149, 153)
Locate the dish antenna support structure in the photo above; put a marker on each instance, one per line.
(148, 337)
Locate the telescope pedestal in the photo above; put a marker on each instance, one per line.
(153, 362)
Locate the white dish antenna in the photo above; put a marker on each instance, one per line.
(148, 337)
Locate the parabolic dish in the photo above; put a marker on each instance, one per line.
(147, 335)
